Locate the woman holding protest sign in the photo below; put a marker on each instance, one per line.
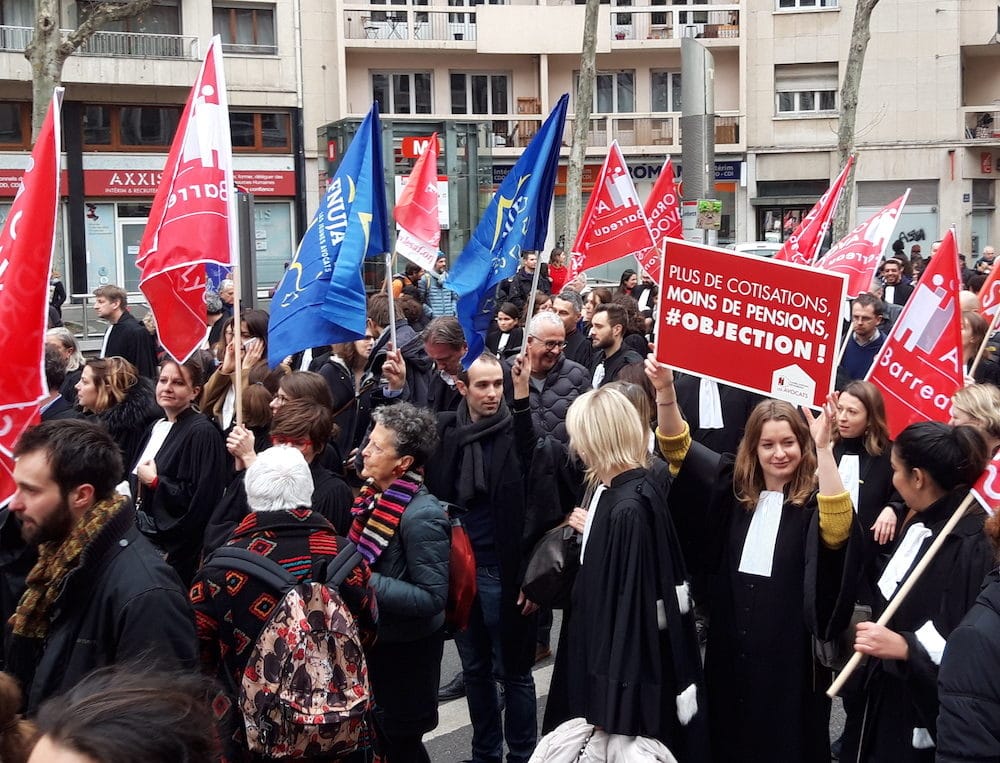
(775, 526)
(933, 467)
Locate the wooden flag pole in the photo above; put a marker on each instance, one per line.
(904, 589)
(982, 345)
(392, 299)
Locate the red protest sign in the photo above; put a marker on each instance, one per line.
(919, 367)
(770, 327)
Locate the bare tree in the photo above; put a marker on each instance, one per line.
(49, 49)
(581, 123)
(860, 35)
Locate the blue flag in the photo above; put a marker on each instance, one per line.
(321, 299)
(516, 220)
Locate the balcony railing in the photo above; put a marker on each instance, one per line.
(429, 22)
(982, 122)
(114, 44)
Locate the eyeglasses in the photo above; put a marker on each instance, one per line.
(552, 345)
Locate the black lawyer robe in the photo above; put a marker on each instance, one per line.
(765, 690)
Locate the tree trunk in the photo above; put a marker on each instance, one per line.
(860, 35)
(581, 123)
(48, 51)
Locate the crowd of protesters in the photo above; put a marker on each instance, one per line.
(731, 551)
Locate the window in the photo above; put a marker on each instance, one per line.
(383, 16)
(805, 4)
(15, 125)
(245, 28)
(480, 93)
(17, 13)
(114, 128)
(402, 92)
(666, 90)
(805, 88)
(266, 133)
(614, 92)
(164, 17)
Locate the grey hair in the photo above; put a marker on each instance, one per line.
(445, 330)
(279, 478)
(228, 283)
(541, 319)
(573, 297)
(65, 337)
(414, 429)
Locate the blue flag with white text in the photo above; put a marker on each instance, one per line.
(321, 299)
(516, 220)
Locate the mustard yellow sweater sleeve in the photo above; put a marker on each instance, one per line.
(835, 516)
(674, 447)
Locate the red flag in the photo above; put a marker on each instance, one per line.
(26, 245)
(987, 487)
(989, 295)
(416, 211)
(857, 255)
(919, 367)
(804, 243)
(664, 214)
(614, 224)
(193, 218)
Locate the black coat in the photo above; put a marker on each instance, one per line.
(613, 364)
(901, 293)
(61, 409)
(969, 683)
(737, 405)
(563, 384)
(122, 603)
(191, 468)
(765, 691)
(128, 422)
(355, 410)
(515, 338)
(130, 340)
(579, 348)
(901, 695)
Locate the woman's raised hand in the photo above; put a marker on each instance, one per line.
(660, 375)
(821, 424)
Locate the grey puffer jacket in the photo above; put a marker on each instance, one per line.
(410, 577)
(563, 384)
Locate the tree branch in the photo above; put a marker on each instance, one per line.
(100, 15)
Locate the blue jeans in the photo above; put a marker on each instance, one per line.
(483, 665)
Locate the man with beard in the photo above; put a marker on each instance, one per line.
(895, 292)
(607, 334)
(99, 593)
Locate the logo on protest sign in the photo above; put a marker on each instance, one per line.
(919, 367)
(770, 327)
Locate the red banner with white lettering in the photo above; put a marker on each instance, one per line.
(858, 254)
(989, 295)
(26, 245)
(663, 210)
(919, 367)
(804, 243)
(416, 212)
(614, 224)
(987, 487)
(769, 327)
(193, 218)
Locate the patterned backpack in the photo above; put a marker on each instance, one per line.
(304, 691)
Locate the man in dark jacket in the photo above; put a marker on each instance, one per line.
(607, 334)
(126, 337)
(99, 593)
(55, 406)
(483, 465)
(518, 288)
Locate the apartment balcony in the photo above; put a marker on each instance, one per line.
(114, 44)
(553, 29)
(981, 124)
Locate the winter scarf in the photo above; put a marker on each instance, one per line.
(472, 467)
(377, 515)
(56, 562)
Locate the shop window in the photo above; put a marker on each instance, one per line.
(267, 133)
(245, 28)
(805, 89)
(15, 125)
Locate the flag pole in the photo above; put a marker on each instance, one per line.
(982, 345)
(904, 589)
(843, 345)
(392, 299)
(833, 213)
(659, 285)
(530, 306)
(237, 346)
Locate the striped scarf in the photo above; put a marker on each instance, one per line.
(377, 515)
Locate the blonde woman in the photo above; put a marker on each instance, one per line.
(978, 406)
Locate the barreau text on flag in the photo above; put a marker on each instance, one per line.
(614, 224)
(858, 254)
(515, 221)
(919, 367)
(192, 222)
(321, 299)
(416, 212)
(663, 211)
(26, 246)
(804, 243)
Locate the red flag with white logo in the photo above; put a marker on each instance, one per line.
(26, 245)
(663, 210)
(804, 243)
(193, 219)
(987, 487)
(858, 254)
(614, 224)
(416, 212)
(920, 365)
(989, 295)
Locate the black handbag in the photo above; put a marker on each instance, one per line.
(552, 567)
